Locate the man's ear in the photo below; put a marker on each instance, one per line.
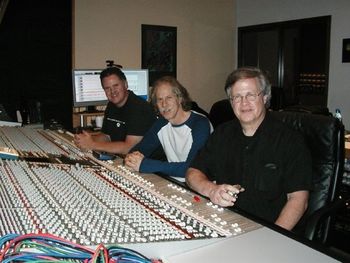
(180, 99)
(265, 99)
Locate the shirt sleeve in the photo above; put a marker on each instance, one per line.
(149, 142)
(298, 168)
(205, 159)
(200, 132)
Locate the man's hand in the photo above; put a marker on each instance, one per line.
(224, 194)
(133, 160)
(84, 141)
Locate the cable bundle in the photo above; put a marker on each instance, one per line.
(42, 248)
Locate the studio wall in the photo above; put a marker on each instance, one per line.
(111, 29)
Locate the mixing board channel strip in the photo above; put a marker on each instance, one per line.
(4, 140)
(201, 207)
(65, 206)
(62, 141)
(136, 198)
(225, 222)
(47, 136)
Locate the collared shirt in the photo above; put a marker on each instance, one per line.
(271, 163)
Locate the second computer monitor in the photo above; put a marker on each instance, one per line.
(87, 89)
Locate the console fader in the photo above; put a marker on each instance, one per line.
(55, 188)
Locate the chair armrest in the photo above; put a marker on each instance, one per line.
(319, 216)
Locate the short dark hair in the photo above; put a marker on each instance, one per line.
(179, 90)
(250, 73)
(112, 71)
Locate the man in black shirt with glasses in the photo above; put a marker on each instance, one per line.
(254, 162)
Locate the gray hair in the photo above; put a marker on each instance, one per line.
(249, 73)
(179, 91)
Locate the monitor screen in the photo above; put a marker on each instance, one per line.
(87, 89)
(138, 81)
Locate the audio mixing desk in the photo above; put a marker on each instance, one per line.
(53, 187)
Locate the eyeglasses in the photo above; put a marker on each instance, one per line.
(249, 97)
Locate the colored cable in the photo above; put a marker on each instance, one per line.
(47, 248)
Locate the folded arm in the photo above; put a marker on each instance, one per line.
(101, 142)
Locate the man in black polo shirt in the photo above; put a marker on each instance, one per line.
(254, 162)
(126, 119)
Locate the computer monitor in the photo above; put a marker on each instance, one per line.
(138, 81)
(87, 89)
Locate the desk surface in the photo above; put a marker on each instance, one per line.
(261, 245)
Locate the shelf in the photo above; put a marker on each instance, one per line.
(85, 119)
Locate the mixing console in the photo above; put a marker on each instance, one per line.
(55, 188)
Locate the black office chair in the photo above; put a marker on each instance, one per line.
(325, 137)
(220, 112)
(195, 107)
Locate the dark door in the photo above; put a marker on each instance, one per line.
(295, 54)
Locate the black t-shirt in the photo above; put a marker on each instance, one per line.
(134, 118)
(270, 164)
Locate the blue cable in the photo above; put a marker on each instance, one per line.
(57, 250)
(4, 239)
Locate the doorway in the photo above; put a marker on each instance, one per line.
(295, 55)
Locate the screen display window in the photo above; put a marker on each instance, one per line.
(88, 91)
